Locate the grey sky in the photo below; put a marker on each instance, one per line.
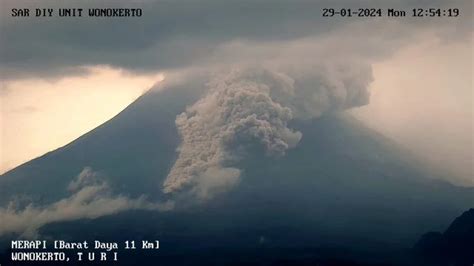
(173, 34)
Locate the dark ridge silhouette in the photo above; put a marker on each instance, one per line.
(453, 247)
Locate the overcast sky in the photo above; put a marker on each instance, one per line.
(61, 77)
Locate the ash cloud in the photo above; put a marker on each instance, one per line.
(235, 111)
(251, 106)
(91, 197)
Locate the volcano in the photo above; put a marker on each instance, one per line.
(344, 190)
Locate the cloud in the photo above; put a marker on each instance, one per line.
(215, 180)
(174, 35)
(87, 177)
(250, 106)
(91, 198)
(430, 113)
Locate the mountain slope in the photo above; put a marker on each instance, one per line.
(343, 182)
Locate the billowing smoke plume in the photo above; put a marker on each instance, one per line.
(91, 198)
(253, 105)
(234, 112)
